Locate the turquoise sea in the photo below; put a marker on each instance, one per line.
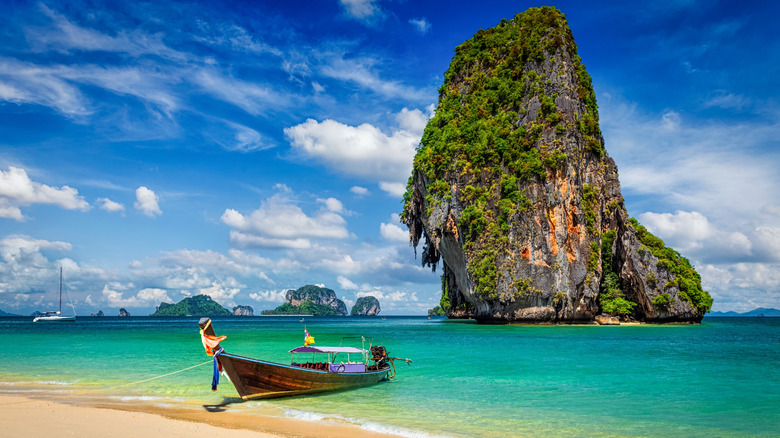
(719, 378)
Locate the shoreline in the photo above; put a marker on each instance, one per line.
(23, 414)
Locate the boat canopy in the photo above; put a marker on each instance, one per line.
(310, 349)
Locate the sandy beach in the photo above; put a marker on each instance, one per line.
(34, 417)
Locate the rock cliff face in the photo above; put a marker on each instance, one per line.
(320, 296)
(243, 311)
(366, 306)
(513, 190)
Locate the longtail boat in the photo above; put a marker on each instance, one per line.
(258, 379)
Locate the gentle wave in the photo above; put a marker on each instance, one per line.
(362, 424)
(41, 382)
(146, 398)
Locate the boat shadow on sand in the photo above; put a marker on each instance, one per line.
(222, 407)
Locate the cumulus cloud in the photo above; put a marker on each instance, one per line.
(421, 24)
(363, 151)
(223, 293)
(17, 189)
(280, 223)
(111, 206)
(269, 296)
(16, 247)
(345, 283)
(393, 232)
(146, 202)
(332, 204)
(112, 296)
(692, 234)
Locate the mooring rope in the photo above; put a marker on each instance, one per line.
(161, 376)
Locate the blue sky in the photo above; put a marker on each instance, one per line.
(240, 149)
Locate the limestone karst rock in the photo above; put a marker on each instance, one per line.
(243, 311)
(513, 190)
(366, 306)
(312, 300)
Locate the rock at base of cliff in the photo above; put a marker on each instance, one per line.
(607, 320)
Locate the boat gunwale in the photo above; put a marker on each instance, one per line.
(293, 367)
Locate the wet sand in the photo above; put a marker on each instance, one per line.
(21, 415)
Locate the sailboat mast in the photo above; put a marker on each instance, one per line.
(60, 290)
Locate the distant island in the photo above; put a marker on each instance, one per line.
(7, 314)
(243, 311)
(366, 306)
(199, 305)
(761, 311)
(310, 300)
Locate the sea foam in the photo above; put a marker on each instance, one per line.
(362, 424)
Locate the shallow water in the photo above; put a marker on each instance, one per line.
(719, 378)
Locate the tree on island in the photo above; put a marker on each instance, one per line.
(310, 300)
(366, 306)
(199, 305)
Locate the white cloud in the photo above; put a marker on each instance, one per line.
(361, 71)
(393, 233)
(693, 235)
(17, 189)
(15, 247)
(145, 297)
(364, 11)
(421, 24)
(111, 206)
(279, 222)
(146, 202)
(345, 283)
(332, 204)
(238, 137)
(25, 83)
(363, 151)
(392, 296)
(269, 295)
(223, 293)
(359, 191)
(395, 189)
(250, 97)
(63, 35)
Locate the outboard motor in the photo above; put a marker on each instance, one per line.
(379, 355)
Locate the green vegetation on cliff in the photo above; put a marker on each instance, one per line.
(306, 308)
(494, 80)
(199, 305)
(687, 280)
(366, 306)
(310, 300)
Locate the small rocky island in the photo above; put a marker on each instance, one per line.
(199, 305)
(366, 306)
(513, 191)
(310, 300)
(243, 311)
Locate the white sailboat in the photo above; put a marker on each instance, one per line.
(55, 316)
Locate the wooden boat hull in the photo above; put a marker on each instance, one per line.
(255, 379)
